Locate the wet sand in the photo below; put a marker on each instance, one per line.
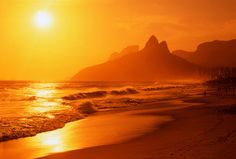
(199, 132)
(200, 127)
(100, 129)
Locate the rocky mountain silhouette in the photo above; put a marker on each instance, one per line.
(127, 50)
(213, 54)
(153, 62)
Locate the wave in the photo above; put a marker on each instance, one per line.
(161, 88)
(13, 128)
(31, 98)
(100, 94)
(96, 94)
(87, 108)
(124, 92)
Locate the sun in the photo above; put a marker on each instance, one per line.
(43, 19)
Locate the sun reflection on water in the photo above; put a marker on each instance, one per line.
(40, 109)
(47, 93)
(46, 98)
(49, 104)
(54, 142)
(50, 116)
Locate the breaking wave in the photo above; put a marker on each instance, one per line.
(100, 94)
(124, 92)
(96, 94)
(30, 126)
(13, 128)
(161, 87)
(87, 108)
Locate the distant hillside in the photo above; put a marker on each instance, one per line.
(125, 51)
(153, 62)
(213, 54)
(183, 54)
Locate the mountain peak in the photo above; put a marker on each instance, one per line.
(153, 47)
(149, 64)
(163, 47)
(153, 38)
(152, 43)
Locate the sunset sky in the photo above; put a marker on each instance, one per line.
(73, 34)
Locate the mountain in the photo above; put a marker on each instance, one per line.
(153, 62)
(214, 54)
(127, 50)
(183, 54)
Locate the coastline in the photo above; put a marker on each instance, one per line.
(17, 126)
(199, 132)
(80, 134)
(135, 133)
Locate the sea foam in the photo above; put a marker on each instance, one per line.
(100, 94)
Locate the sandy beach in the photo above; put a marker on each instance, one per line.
(204, 131)
(99, 129)
(198, 127)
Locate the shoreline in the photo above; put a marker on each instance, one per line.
(80, 134)
(159, 132)
(53, 120)
(61, 120)
(196, 133)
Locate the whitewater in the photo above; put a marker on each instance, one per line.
(28, 108)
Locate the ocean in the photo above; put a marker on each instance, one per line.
(28, 108)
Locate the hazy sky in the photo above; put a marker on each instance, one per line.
(86, 32)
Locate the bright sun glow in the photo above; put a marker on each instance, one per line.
(44, 93)
(43, 19)
(53, 141)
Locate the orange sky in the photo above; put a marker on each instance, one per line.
(86, 32)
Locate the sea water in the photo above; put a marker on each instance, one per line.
(28, 108)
